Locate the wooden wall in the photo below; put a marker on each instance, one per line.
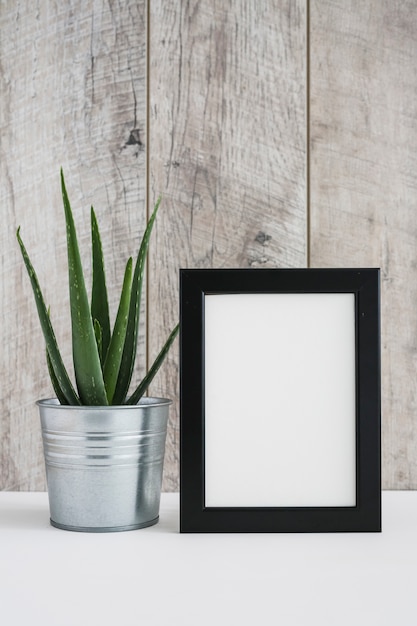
(363, 197)
(281, 133)
(73, 94)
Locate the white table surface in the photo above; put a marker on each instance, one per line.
(156, 576)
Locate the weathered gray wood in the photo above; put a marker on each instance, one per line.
(364, 182)
(72, 94)
(227, 151)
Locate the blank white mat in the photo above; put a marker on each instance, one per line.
(280, 417)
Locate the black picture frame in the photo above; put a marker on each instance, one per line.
(218, 508)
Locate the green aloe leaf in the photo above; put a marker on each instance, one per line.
(87, 365)
(55, 383)
(99, 299)
(140, 390)
(115, 351)
(130, 346)
(98, 332)
(58, 366)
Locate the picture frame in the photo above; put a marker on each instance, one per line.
(280, 400)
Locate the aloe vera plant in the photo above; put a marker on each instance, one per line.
(103, 359)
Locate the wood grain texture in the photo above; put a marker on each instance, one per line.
(72, 94)
(227, 149)
(364, 182)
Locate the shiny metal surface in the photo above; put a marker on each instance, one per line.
(104, 464)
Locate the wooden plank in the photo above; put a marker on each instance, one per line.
(227, 150)
(73, 94)
(364, 183)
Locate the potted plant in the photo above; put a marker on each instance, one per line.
(104, 448)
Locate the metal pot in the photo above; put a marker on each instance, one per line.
(104, 464)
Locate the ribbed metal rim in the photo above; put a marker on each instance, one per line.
(144, 402)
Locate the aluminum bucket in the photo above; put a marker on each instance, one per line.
(104, 464)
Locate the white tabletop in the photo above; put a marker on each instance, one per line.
(156, 576)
